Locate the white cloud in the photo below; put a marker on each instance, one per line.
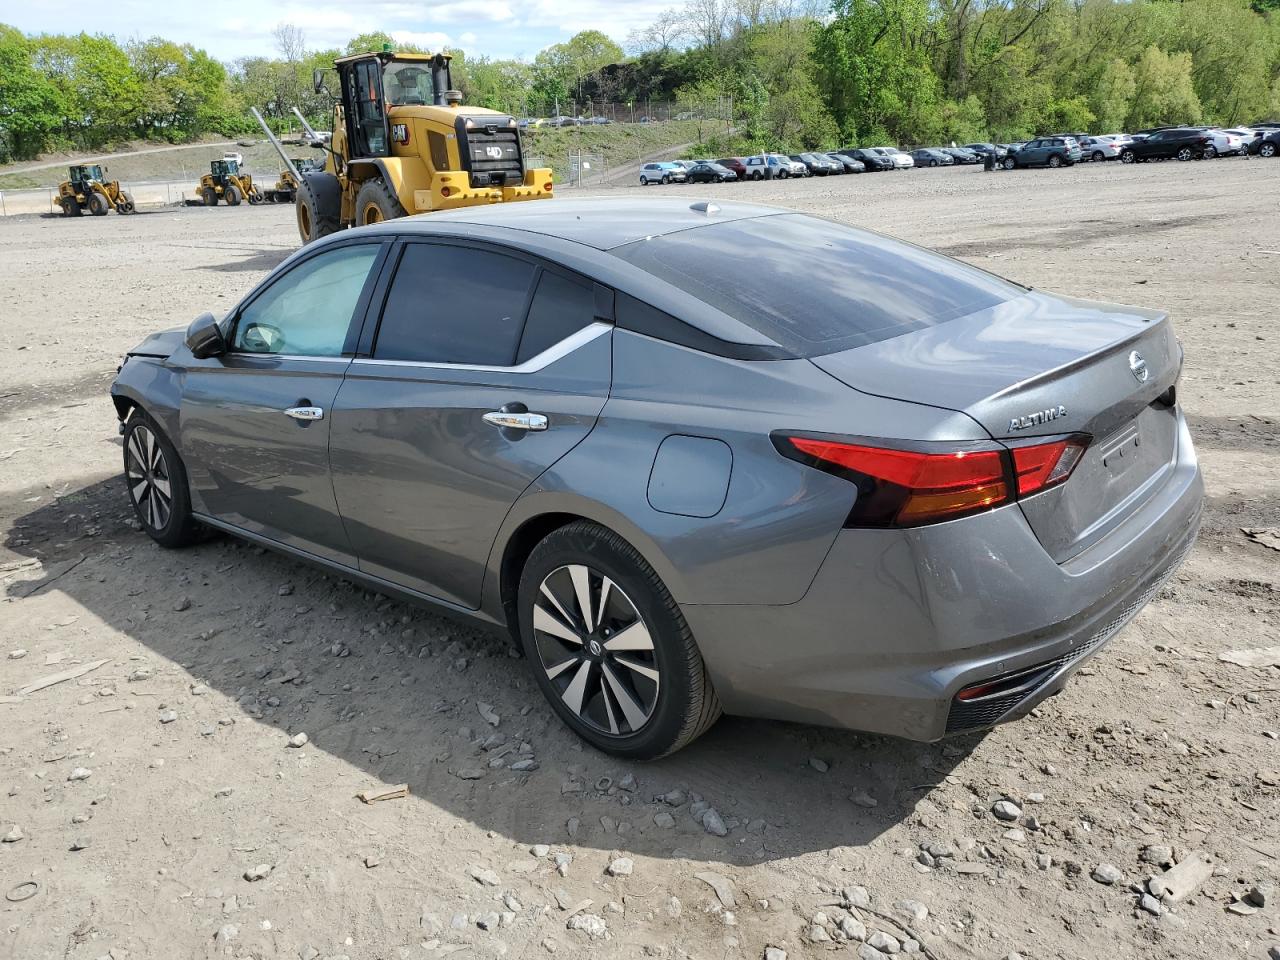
(468, 39)
(430, 40)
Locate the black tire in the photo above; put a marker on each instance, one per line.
(1267, 150)
(757, 175)
(644, 181)
(319, 206)
(376, 202)
(1128, 156)
(232, 195)
(933, 163)
(126, 204)
(1185, 154)
(676, 709)
(665, 179)
(1097, 156)
(151, 463)
(1055, 161)
(1010, 163)
(98, 205)
(71, 208)
(210, 196)
(1209, 152)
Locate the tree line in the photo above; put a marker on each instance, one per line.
(786, 74)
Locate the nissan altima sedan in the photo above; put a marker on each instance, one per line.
(868, 486)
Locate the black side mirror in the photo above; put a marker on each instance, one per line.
(204, 337)
(317, 80)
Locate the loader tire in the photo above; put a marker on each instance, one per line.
(98, 205)
(126, 204)
(232, 195)
(70, 208)
(210, 197)
(377, 202)
(319, 201)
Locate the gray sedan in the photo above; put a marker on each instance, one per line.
(865, 486)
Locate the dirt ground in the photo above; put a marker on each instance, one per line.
(217, 655)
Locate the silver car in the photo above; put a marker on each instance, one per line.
(863, 485)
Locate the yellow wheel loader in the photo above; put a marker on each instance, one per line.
(84, 189)
(224, 181)
(403, 143)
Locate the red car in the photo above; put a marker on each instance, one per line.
(736, 165)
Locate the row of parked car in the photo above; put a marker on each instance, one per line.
(1058, 150)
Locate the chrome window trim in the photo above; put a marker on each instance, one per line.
(557, 351)
(285, 356)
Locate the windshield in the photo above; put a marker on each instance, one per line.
(407, 84)
(843, 288)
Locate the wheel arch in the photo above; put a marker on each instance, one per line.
(533, 518)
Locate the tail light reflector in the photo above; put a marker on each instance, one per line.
(910, 488)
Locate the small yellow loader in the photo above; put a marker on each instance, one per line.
(84, 189)
(224, 181)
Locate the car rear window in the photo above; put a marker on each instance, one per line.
(824, 287)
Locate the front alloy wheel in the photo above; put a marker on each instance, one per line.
(1185, 154)
(149, 476)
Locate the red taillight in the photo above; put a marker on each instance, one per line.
(907, 488)
(900, 488)
(1045, 465)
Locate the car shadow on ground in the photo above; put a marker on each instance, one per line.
(395, 691)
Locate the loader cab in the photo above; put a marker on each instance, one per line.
(221, 169)
(84, 173)
(373, 83)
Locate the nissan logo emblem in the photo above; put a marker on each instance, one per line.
(1138, 367)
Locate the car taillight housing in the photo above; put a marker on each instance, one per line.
(930, 483)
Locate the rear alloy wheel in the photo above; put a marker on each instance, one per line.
(1267, 150)
(933, 163)
(644, 181)
(1055, 161)
(665, 179)
(1210, 151)
(1127, 156)
(1009, 163)
(610, 649)
(1185, 154)
(157, 484)
(1097, 156)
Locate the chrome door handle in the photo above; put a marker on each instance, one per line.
(305, 413)
(516, 421)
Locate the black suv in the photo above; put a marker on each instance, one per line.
(1184, 143)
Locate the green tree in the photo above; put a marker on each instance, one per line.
(31, 106)
(1163, 90)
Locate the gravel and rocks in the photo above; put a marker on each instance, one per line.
(1127, 767)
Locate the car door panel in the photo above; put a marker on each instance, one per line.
(254, 423)
(421, 479)
(252, 465)
(423, 482)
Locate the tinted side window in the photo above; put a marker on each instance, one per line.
(561, 307)
(306, 312)
(454, 304)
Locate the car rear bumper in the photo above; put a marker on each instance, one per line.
(898, 622)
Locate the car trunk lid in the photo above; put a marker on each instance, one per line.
(1045, 366)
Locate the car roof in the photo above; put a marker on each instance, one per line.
(599, 222)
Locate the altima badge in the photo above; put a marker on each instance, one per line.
(1138, 367)
(1037, 418)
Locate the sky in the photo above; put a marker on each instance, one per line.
(242, 28)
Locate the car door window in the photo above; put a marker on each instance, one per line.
(455, 304)
(561, 307)
(307, 311)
